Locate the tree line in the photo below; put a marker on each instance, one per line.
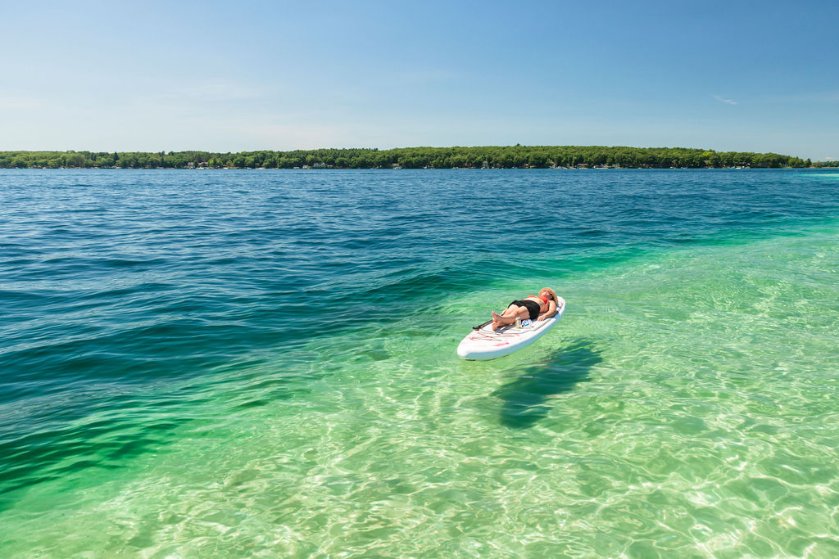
(410, 158)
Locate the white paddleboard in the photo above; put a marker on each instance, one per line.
(483, 344)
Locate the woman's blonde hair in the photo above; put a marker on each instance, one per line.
(553, 294)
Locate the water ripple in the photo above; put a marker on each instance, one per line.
(246, 363)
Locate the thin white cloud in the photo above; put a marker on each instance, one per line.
(18, 103)
(428, 76)
(725, 100)
(213, 91)
(291, 136)
(221, 91)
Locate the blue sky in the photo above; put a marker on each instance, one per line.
(230, 76)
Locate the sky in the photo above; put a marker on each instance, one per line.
(730, 75)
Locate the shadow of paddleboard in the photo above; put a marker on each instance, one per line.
(526, 398)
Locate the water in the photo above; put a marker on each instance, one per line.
(263, 363)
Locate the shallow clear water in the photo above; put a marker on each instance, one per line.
(263, 363)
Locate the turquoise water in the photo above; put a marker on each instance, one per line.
(263, 363)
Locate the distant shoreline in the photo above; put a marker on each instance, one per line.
(320, 169)
(485, 157)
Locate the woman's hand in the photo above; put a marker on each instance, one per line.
(550, 312)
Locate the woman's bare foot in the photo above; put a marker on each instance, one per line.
(496, 320)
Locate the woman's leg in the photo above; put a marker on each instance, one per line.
(509, 316)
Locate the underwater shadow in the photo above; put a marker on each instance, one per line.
(526, 398)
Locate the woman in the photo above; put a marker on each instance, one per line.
(534, 307)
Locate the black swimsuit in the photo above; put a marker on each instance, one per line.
(532, 307)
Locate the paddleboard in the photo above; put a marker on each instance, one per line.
(483, 344)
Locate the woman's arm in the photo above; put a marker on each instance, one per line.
(548, 313)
